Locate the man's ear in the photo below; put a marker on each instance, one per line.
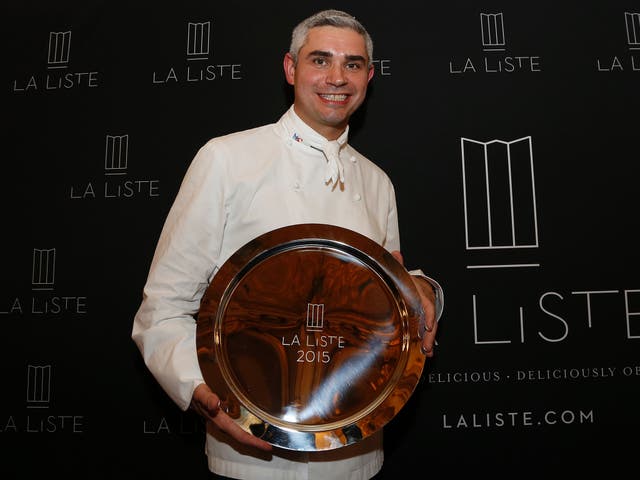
(289, 68)
(371, 72)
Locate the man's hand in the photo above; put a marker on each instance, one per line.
(428, 301)
(207, 404)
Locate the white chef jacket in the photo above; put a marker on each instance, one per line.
(238, 187)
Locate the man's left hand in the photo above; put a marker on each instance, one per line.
(427, 299)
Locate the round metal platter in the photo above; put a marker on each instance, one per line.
(310, 336)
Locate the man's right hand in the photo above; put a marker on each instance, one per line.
(207, 404)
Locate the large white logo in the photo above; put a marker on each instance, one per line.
(501, 227)
(499, 194)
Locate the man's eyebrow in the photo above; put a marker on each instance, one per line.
(324, 53)
(320, 53)
(355, 58)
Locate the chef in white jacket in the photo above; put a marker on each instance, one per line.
(300, 169)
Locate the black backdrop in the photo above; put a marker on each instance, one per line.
(510, 130)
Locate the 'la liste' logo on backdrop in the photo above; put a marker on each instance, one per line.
(39, 417)
(59, 75)
(116, 183)
(44, 301)
(625, 61)
(198, 65)
(502, 224)
(496, 57)
(500, 215)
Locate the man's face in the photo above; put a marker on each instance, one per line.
(330, 79)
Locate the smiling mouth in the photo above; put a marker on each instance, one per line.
(334, 97)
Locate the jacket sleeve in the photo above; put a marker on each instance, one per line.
(185, 259)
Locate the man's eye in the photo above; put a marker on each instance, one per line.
(353, 66)
(320, 61)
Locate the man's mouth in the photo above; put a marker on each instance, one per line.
(334, 97)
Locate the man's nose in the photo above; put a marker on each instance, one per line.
(336, 76)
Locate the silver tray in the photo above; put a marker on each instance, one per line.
(310, 336)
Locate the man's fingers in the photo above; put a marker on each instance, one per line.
(427, 331)
(208, 404)
(213, 405)
(429, 314)
(225, 423)
(398, 256)
(429, 342)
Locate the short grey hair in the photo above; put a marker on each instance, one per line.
(332, 18)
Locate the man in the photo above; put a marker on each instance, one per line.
(239, 186)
